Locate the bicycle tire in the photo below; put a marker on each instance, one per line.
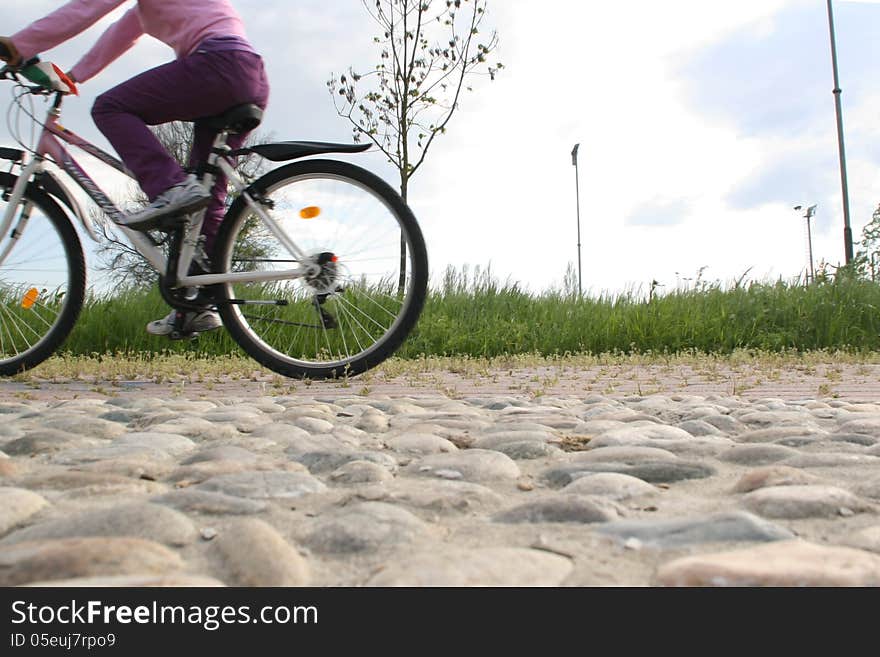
(352, 192)
(68, 302)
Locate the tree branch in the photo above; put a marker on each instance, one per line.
(415, 90)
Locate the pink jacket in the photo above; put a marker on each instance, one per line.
(180, 24)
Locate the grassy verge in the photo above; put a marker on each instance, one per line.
(480, 317)
(477, 317)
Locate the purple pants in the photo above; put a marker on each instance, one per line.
(201, 85)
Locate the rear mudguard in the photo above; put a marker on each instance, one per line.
(292, 150)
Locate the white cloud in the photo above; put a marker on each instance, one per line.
(499, 187)
(606, 76)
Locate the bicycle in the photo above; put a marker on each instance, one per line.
(319, 268)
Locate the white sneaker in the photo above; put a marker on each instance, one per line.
(188, 196)
(200, 322)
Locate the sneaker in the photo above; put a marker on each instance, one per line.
(188, 196)
(194, 322)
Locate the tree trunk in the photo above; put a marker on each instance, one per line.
(401, 283)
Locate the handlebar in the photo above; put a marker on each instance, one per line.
(21, 75)
(4, 52)
(9, 71)
(14, 72)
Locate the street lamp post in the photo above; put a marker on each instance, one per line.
(847, 230)
(811, 211)
(574, 161)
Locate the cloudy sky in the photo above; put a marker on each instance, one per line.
(701, 125)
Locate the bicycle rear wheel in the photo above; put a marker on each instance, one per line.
(367, 291)
(42, 282)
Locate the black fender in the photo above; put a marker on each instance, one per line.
(11, 154)
(293, 150)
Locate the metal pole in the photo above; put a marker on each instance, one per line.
(810, 245)
(574, 161)
(847, 230)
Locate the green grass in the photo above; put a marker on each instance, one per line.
(480, 317)
(476, 316)
(115, 324)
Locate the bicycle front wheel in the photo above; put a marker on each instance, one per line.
(369, 271)
(42, 280)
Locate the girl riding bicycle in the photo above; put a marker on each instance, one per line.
(216, 68)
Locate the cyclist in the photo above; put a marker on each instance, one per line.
(216, 68)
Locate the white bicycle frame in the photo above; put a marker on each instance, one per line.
(50, 144)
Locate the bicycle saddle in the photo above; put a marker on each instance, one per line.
(241, 118)
(291, 150)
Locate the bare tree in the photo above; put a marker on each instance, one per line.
(430, 50)
(123, 265)
(867, 258)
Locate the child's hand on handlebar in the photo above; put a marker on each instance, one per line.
(49, 76)
(8, 52)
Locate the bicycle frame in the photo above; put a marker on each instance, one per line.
(50, 144)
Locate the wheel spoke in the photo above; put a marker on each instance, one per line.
(42, 286)
(331, 323)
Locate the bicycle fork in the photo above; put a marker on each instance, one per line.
(14, 200)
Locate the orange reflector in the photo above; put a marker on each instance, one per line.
(30, 298)
(310, 212)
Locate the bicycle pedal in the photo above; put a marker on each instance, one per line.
(183, 335)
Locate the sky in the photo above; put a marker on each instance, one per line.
(701, 125)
